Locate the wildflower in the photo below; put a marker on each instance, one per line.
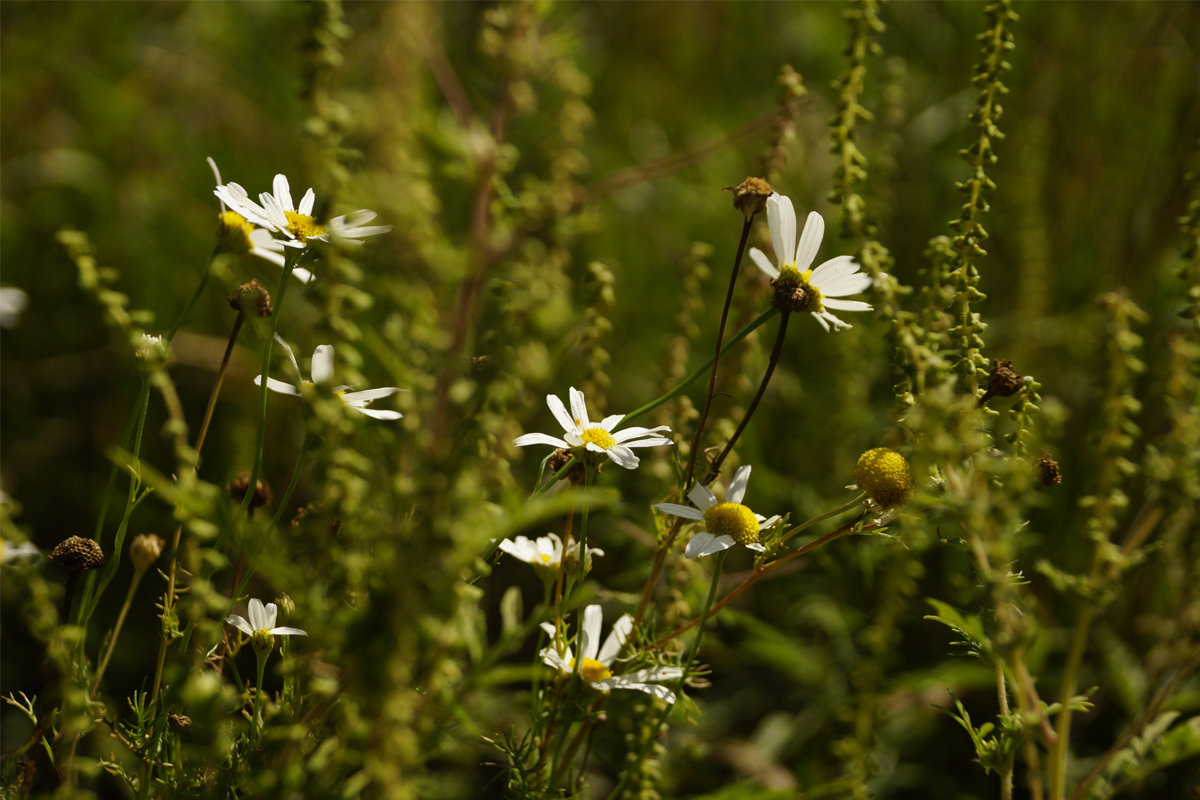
(726, 523)
(276, 212)
(595, 666)
(261, 622)
(885, 477)
(582, 436)
(799, 288)
(322, 374)
(545, 552)
(237, 234)
(150, 349)
(17, 552)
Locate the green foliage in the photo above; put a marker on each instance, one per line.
(552, 178)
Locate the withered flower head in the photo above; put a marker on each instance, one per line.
(1048, 471)
(78, 554)
(252, 299)
(1003, 381)
(262, 490)
(559, 459)
(750, 196)
(144, 550)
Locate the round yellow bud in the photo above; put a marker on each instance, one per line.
(884, 475)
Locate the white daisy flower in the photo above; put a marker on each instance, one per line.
(596, 663)
(726, 523)
(582, 434)
(17, 552)
(835, 278)
(322, 374)
(544, 552)
(240, 235)
(277, 212)
(262, 621)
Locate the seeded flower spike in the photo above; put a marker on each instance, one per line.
(262, 621)
(595, 666)
(322, 374)
(726, 523)
(579, 433)
(815, 290)
(240, 235)
(276, 211)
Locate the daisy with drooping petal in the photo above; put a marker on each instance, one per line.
(276, 211)
(239, 235)
(321, 371)
(799, 288)
(262, 621)
(596, 661)
(545, 552)
(725, 524)
(580, 434)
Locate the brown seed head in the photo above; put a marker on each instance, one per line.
(559, 459)
(1003, 381)
(241, 482)
(252, 299)
(179, 721)
(791, 294)
(78, 554)
(750, 196)
(1048, 471)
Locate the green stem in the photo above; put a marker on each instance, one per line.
(195, 295)
(809, 523)
(588, 477)
(1060, 749)
(116, 633)
(291, 259)
(305, 446)
(261, 655)
(776, 350)
(700, 370)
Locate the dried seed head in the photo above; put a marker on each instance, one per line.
(252, 299)
(1048, 471)
(78, 554)
(144, 550)
(241, 482)
(884, 475)
(750, 196)
(179, 721)
(559, 459)
(1003, 381)
(792, 291)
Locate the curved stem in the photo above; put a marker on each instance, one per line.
(715, 468)
(712, 379)
(305, 446)
(112, 642)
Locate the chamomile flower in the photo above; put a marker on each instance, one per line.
(239, 235)
(596, 660)
(262, 621)
(725, 524)
(797, 286)
(582, 435)
(544, 552)
(277, 212)
(322, 374)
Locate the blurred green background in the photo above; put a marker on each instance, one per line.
(109, 110)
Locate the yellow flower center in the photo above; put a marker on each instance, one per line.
(303, 226)
(235, 232)
(544, 558)
(592, 670)
(599, 437)
(884, 475)
(734, 520)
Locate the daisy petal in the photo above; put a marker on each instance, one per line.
(781, 221)
(322, 364)
(616, 640)
(285, 631)
(378, 413)
(763, 263)
(705, 544)
(622, 456)
(560, 413)
(526, 439)
(846, 305)
(367, 395)
(687, 512)
(277, 386)
(578, 408)
(592, 618)
(702, 496)
(239, 622)
(810, 241)
(737, 487)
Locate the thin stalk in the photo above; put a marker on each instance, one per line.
(715, 468)
(581, 572)
(305, 446)
(112, 642)
(195, 295)
(261, 656)
(216, 389)
(1059, 750)
(289, 264)
(712, 380)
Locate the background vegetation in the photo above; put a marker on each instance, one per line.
(598, 138)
